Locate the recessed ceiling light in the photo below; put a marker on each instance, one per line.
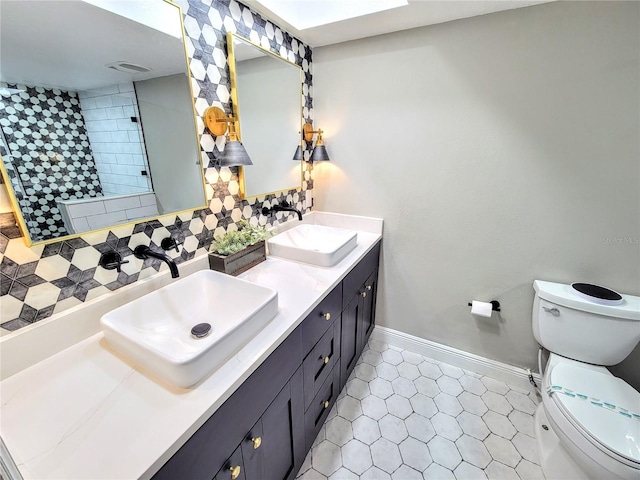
(313, 13)
(128, 67)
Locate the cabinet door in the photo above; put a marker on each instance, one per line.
(282, 445)
(252, 457)
(368, 311)
(349, 338)
(233, 468)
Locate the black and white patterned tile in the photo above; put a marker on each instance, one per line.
(405, 416)
(68, 268)
(58, 165)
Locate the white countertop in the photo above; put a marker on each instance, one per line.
(89, 413)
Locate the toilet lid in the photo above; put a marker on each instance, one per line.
(606, 407)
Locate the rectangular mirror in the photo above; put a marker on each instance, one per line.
(96, 113)
(266, 92)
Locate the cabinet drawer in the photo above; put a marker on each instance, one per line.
(319, 363)
(358, 276)
(317, 413)
(316, 323)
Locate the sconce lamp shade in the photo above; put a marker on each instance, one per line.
(319, 154)
(298, 155)
(234, 154)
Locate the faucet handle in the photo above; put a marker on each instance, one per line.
(168, 243)
(111, 260)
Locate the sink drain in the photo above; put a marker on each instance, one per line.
(201, 330)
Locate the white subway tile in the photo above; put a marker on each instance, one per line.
(109, 158)
(134, 136)
(120, 137)
(148, 199)
(80, 225)
(104, 101)
(114, 148)
(95, 114)
(115, 204)
(125, 159)
(129, 111)
(126, 124)
(106, 220)
(90, 207)
(95, 137)
(101, 125)
(142, 212)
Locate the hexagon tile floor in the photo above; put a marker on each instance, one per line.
(404, 416)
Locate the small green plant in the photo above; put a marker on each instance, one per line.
(234, 241)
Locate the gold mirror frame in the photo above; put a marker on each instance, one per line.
(236, 113)
(15, 203)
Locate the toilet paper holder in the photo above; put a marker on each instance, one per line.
(495, 305)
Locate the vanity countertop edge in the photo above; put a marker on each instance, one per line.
(88, 412)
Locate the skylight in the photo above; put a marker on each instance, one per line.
(304, 14)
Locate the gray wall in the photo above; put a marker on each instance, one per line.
(498, 149)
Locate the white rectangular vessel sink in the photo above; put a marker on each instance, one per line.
(314, 244)
(155, 330)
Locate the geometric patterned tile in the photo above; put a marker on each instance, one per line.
(417, 436)
(446, 426)
(499, 424)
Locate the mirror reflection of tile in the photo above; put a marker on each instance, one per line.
(44, 279)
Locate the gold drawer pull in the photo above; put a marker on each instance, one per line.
(363, 294)
(327, 316)
(325, 359)
(257, 441)
(325, 404)
(235, 472)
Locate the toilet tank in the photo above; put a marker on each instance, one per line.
(572, 326)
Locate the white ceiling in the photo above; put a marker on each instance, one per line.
(66, 44)
(417, 13)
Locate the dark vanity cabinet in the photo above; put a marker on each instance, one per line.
(358, 317)
(265, 429)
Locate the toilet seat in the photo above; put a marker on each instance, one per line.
(604, 409)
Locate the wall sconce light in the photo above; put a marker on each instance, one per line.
(219, 123)
(319, 150)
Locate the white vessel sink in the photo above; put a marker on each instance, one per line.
(155, 330)
(314, 244)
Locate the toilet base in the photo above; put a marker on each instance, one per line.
(555, 461)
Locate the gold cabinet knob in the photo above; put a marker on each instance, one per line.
(235, 472)
(363, 294)
(325, 359)
(257, 441)
(327, 316)
(369, 287)
(326, 404)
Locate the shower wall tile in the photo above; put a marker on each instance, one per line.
(62, 152)
(41, 280)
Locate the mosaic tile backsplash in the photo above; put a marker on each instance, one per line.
(39, 281)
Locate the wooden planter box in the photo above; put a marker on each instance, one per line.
(238, 262)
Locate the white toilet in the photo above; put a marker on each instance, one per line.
(588, 424)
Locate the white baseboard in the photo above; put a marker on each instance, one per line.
(516, 376)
